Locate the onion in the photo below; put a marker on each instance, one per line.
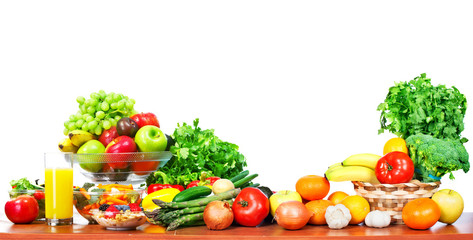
(222, 185)
(218, 215)
(292, 215)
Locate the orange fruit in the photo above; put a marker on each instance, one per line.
(421, 213)
(318, 207)
(337, 197)
(312, 187)
(395, 144)
(358, 206)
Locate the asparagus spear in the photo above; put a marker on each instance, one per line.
(199, 202)
(179, 212)
(185, 220)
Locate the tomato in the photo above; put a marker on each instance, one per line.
(421, 213)
(38, 195)
(250, 207)
(394, 167)
(143, 119)
(22, 209)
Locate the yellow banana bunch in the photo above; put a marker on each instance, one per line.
(74, 140)
(358, 167)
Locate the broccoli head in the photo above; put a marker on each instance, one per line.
(435, 157)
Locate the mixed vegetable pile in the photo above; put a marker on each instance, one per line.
(205, 182)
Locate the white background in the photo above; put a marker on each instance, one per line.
(294, 83)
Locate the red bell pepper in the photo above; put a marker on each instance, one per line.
(204, 180)
(165, 184)
(158, 186)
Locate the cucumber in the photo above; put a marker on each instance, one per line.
(244, 180)
(192, 193)
(255, 185)
(240, 176)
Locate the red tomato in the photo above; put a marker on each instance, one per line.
(143, 119)
(22, 209)
(250, 207)
(38, 195)
(394, 167)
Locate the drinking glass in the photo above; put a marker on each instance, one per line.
(58, 188)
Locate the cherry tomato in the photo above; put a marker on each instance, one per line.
(22, 209)
(394, 167)
(38, 195)
(143, 119)
(250, 207)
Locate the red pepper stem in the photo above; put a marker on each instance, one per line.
(163, 176)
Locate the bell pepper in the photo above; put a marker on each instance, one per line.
(158, 186)
(204, 181)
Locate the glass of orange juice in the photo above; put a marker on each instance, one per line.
(58, 188)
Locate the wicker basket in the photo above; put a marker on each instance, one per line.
(393, 197)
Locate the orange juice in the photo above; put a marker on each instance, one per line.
(58, 193)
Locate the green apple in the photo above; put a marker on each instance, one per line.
(283, 196)
(450, 203)
(90, 162)
(150, 138)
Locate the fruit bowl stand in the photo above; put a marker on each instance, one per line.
(462, 229)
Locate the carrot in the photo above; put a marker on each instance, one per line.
(118, 186)
(87, 207)
(85, 193)
(116, 201)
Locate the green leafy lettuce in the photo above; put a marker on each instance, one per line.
(195, 151)
(418, 107)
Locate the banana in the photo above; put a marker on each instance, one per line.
(362, 159)
(66, 146)
(333, 167)
(79, 137)
(352, 173)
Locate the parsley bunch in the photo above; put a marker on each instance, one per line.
(195, 151)
(418, 107)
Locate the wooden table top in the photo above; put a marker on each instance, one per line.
(462, 229)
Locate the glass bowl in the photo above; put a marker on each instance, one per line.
(39, 198)
(126, 168)
(86, 202)
(127, 220)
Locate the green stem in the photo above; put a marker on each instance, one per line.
(163, 176)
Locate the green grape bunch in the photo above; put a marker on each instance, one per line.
(100, 112)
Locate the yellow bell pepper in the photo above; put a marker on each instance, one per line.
(166, 194)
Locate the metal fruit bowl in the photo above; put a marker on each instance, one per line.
(125, 168)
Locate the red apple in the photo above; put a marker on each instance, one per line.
(22, 209)
(108, 135)
(144, 119)
(122, 144)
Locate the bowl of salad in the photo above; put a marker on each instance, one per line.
(24, 186)
(127, 168)
(119, 217)
(90, 197)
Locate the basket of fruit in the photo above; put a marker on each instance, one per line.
(393, 197)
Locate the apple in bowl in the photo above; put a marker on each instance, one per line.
(151, 139)
(121, 144)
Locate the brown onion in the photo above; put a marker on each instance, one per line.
(218, 215)
(292, 215)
